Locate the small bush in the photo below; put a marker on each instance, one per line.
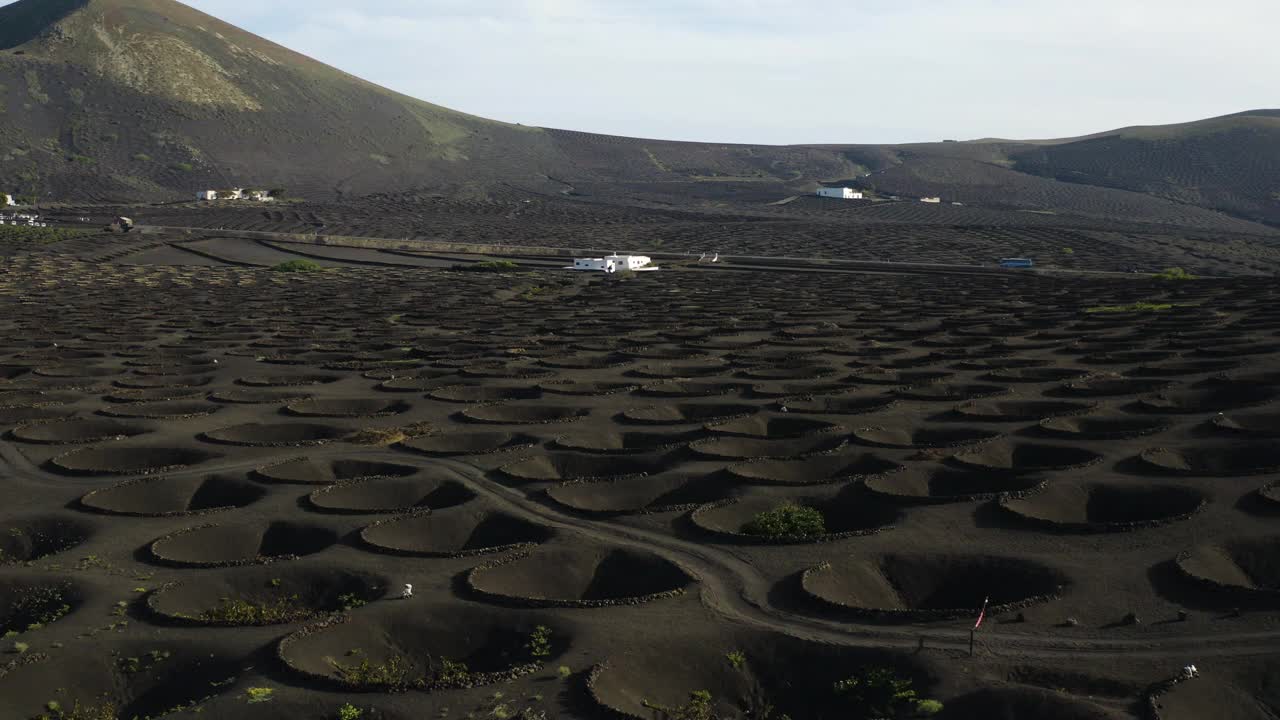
(1174, 273)
(105, 711)
(350, 712)
(789, 520)
(928, 708)
(237, 611)
(493, 266)
(698, 708)
(297, 266)
(737, 659)
(21, 647)
(564, 672)
(142, 157)
(183, 167)
(539, 644)
(259, 694)
(394, 674)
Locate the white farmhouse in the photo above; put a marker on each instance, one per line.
(841, 193)
(205, 195)
(8, 199)
(931, 200)
(613, 263)
(256, 195)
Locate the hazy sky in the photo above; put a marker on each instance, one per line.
(791, 71)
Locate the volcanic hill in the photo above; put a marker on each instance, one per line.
(129, 100)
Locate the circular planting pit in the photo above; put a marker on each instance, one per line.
(845, 516)
(920, 485)
(578, 577)
(797, 389)
(264, 596)
(1213, 397)
(1111, 387)
(241, 544)
(483, 394)
(687, 414)
(663, 371)
(523, 414)
(1262, 425)
(920, 587)
(1248, 566)
(116, 460)
(559, 467)
(1097, 507)
(1019, 457)
(172, 497)
(162, 411)
(690, 389)
(35, 601)
(76, 432)
(1020, 410)
(813, 470)
(772, 426)
(273, 381)
(20, 416)
(1034, 374)
(880, 376)
(257, 397)
(609, 441)
(69, 371)
(1102, 427)
(470, 443)
(639, 494)
(741, 448)
(276, 435)
(840, 404)
(153, 395)
(470, 529)
(587, 389)
(151, 382)
(1021, 702)
(389, 495)
(1185, 367)
(923, 437)
(405, 646)
(1228, 461)
(35, 399)
(350, 408)
(950, 393)
(306, 471)
(23, 540)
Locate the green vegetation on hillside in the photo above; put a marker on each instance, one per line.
(1174, 273)
(21, 234)
(1140, 306)
(493, 266)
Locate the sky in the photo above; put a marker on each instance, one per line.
(791, 71)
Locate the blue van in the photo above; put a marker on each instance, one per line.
(1016, 263)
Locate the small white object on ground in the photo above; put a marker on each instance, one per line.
(407, 592)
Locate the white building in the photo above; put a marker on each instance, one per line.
(257, 195)
(931, 200)
(613, 263)
(839, 193)
(8, 199)
(204, 195)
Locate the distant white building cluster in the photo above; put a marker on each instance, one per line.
(25, 220)
(614, 263)
(234, 194)
(840, 193)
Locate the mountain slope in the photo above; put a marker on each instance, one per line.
(151, 100)
(1230, 163)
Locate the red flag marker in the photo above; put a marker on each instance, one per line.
(982, 615)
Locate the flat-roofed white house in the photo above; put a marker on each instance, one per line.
(842, 193)
(8, 200)
(931, 200)
(614, 263)
(207, 195)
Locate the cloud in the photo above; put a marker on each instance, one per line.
(783, 71)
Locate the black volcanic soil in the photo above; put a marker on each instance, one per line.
(588, 511)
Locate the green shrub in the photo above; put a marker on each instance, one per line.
(493, 266)
(394, 674)
(789, 520)
(21, 647)
(38, 235)
(142, 157)
(539, 644)
(737, 659)
(297, 266)
(183, 167)
(928, 708)
(1174, 273)
(259, 694)
(877, 693)
(698, 708)
(350, 712)
(238, 611)
(105, 711)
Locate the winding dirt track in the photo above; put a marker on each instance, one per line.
(734, 588)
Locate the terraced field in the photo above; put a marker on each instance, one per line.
(218, 479)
